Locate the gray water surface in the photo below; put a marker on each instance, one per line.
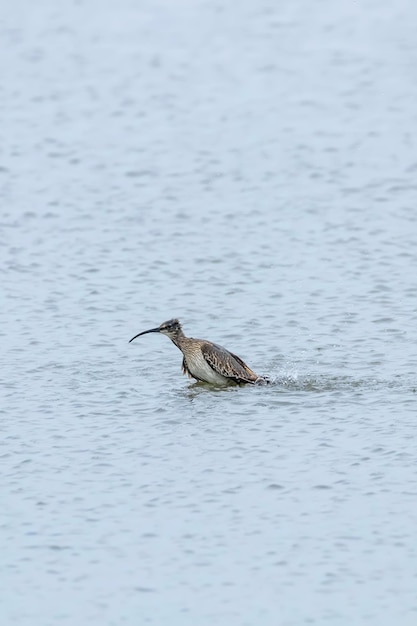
(251, 169)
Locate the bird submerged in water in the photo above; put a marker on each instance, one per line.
(206, 361)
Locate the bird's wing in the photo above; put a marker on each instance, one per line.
(185, 369)
(227, 364)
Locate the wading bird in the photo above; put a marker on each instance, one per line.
(206, 361)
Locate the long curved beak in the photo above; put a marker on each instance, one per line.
(152, 330)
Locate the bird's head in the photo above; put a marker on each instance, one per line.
(171, 328)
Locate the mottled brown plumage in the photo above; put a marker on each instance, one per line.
(206, 361)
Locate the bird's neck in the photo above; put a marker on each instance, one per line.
(178, 339)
